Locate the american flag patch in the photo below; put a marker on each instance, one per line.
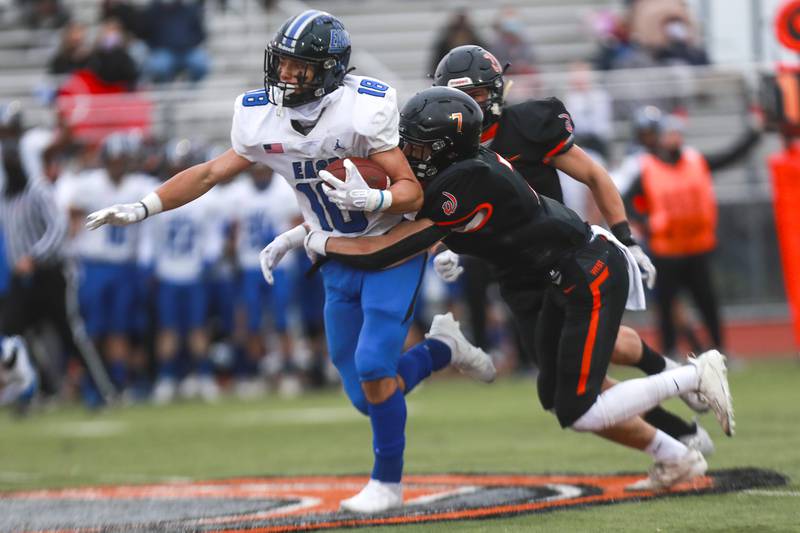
(274, 148)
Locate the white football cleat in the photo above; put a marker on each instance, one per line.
(208, 389)
(695, 402)
(713, 387)
(375, 497)
(17, 375)
(165, 391)
(700, 440)
(664, 474)
(468, 359)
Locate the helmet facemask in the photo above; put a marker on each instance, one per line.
(425, 157)
(492, 106)
(310, 81)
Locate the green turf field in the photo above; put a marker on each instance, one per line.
(455, 426)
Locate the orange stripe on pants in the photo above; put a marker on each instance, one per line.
(588, 346)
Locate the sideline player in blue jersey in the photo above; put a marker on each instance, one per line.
(312, 112)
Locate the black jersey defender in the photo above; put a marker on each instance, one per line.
(479, 205)
(528, 134)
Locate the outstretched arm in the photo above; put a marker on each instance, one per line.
(195, 181)
(180, 189)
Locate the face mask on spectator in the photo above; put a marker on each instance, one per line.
(111, 40)
(677, 31)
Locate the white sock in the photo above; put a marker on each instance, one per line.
(665, 448)
(671, 364)
(636, 396)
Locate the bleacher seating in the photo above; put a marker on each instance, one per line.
(392, 41)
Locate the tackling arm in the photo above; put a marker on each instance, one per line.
(405, 240)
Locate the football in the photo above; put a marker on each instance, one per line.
(372, 172)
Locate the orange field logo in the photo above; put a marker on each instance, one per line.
(277, 504)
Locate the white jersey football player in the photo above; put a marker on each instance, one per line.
(310, 113)
(108, 269)
(265, 206)
(181, 245)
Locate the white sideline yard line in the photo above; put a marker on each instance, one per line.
(297, 416)
(90, 429)
(776, 493)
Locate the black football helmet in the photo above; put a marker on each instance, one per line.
(469, 66)
(439, 126)
(317, 39)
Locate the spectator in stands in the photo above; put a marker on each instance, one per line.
(110, 68)
(510, 44)
(175, 32)
(679, 49)
(590, 107)
(73, 52)
(674, 191)
(459, 31)
(616, 49)
(665, 29)
(44, 14)
(129, 15)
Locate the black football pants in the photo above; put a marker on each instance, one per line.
(693, 273)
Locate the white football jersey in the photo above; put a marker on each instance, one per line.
(182, 240)
(93, 190)
(260, 214)
(359, 119)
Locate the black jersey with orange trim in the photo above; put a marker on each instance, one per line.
(528, 135)
(495, 215)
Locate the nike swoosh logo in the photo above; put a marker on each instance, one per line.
(513, 157)
(569, 289)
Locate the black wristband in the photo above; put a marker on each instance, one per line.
(622, 231)
(146, 211)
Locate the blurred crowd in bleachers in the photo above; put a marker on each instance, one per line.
(177, 307)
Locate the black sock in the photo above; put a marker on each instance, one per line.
(672, 425)
(651, 362)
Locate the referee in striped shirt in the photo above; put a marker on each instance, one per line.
(35, 229)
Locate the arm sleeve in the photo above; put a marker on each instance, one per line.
(49, 245)
(739, 149)
(376, 119)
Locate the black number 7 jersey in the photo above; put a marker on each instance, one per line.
(495, 215)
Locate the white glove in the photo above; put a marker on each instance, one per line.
(124, 214)
(645, 265)
(272, 253)
(353, 193)
(314, 244)
(446, 265)
(117, 215)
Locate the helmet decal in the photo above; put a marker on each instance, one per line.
(340, 40)
(567, 122)
(493, 60)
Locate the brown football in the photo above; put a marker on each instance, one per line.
(371, 171)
